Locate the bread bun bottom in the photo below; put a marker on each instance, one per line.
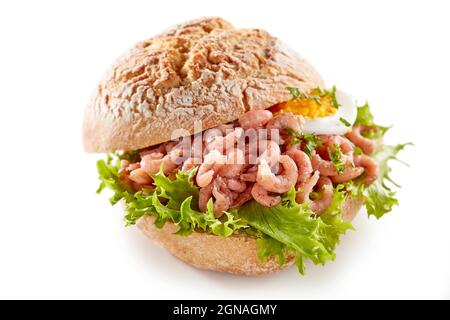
(235, 254)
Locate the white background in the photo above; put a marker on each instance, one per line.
(58, 239)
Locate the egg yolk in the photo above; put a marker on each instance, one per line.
(310, 108)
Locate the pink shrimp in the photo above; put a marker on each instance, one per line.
(172, 162)
(133, 166)
(123, 165)
(175, 157)
(368, 146)
(159, 149)
(210, 166)
(223, 197)
(236, 185)
(286, 120)
(255, 119)
(234, 165)
(224, 128)
(370, 167)
(306, 187)
(125, 169)
(197, 146)
(344, 144)
(303, 163)
(126, 166)
(151, 162)
(329, 144)
(204, 195)
(262, 196)
(213, 139)
(325, 167)
(168, 164)
(280, 183)
(349, 173)
(251, 153)
(249, 176)
(242, 197)
(269, 151)
(325, 187)
(191, 163)
(216, 141)
(288, 144)
(170, 145)
(232, 137)
(140, 176)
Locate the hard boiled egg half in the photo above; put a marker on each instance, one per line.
(325, 111)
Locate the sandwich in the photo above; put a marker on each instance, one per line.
(226, 148)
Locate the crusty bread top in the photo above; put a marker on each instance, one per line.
(204, 70)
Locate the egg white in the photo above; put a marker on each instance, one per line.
(332, 124)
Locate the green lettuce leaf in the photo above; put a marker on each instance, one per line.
(108, 174)
(131, 156)
(269, 247)
(311, 141)
(365, 117)
(176, 191)
(379, 197)
(139, 204)
(379, 200)
(293, 227)
(175, 200)
(332, 217)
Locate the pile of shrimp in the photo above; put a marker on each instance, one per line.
(233, 169)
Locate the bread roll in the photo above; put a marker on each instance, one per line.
(203, 71)
(235, 254)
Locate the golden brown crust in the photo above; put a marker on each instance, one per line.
(204, 70)
(235, 254)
